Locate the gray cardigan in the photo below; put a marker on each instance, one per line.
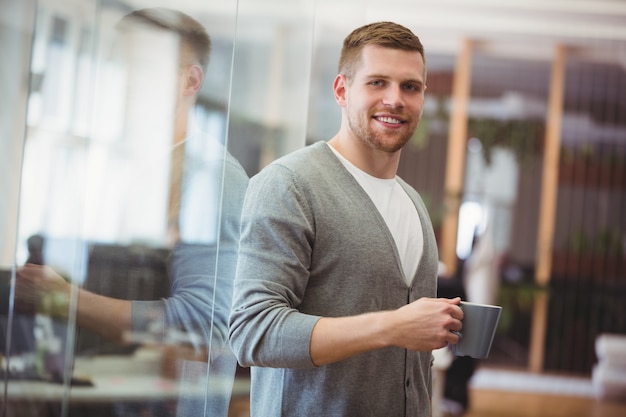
(312, 245)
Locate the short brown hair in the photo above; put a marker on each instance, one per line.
(386, 34)
(191, 32)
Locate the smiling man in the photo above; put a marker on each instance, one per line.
(334, 304)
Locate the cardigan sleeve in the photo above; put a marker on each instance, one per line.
(266, 329)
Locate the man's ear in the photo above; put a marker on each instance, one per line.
(339, 88)
(193, 80)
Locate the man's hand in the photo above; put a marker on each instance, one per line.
(426, 324)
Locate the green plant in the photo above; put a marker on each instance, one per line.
(522, 136)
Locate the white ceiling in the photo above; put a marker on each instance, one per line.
(524, 28)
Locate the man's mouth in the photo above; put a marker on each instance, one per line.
(389, 119)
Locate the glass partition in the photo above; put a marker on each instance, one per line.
(132, 140)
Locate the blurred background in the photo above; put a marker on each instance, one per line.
(520, 155)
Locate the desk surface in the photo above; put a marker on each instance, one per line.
(124, 379)
(115, 389)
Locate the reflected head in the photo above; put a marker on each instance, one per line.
(385, 34)
(192, 34)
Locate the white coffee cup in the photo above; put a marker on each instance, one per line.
(479, 328)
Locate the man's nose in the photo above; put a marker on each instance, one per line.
(394, 96)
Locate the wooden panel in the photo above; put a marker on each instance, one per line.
(549, 184)
(455, 161)
(547, 206)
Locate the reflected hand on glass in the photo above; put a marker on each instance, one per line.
(39, 289)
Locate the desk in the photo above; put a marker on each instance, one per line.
(125, 379)
(104, 389)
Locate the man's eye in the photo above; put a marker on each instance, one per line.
(376, 83)
(412, 87)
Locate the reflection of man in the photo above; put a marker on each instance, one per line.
(334, 303)
(206, 198)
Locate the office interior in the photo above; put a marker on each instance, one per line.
(520, 157)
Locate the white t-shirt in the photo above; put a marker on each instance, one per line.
(398, 211)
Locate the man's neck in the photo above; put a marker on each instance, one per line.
(377, 163)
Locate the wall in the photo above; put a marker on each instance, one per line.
(16, 31)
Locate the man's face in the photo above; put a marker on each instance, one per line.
(384, 98)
